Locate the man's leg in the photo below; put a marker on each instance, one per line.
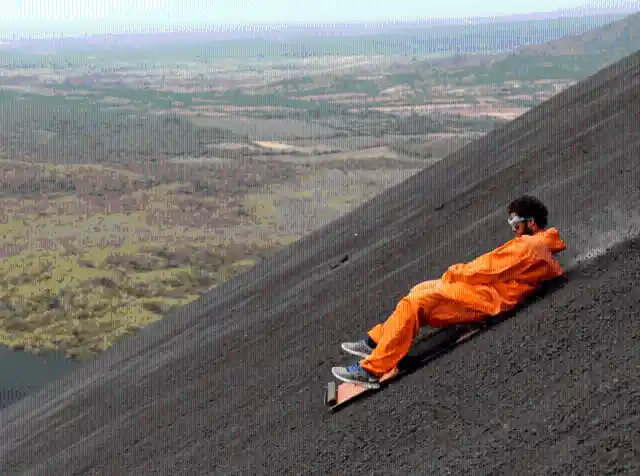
(393, 340)
(396, 337)
(426, 304)
(364, 347)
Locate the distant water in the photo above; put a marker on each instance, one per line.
(22, 373)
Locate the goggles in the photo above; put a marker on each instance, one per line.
(514, 220)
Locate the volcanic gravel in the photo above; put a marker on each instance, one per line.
(233, 383)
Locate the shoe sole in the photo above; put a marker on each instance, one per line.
(335, 373)
(352, 352)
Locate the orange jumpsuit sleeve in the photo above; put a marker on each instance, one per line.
(511, 261)
(489, 268)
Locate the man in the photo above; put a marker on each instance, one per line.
(491, 284)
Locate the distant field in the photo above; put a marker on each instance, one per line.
(266, 129)
(345, 143)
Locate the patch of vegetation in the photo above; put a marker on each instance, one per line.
(405, 78)
(85, 129)
(149, 97)
(322, 108)
(82, 304)
(77, 279)
(530, 67)
(294, 84)
(377, 124)
(347, 84)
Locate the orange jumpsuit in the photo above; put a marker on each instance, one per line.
(489, 285)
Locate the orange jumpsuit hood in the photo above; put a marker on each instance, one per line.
(551, 239)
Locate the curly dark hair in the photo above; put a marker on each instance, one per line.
(527, 206)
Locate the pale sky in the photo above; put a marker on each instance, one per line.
(86, 15)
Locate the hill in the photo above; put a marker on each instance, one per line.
(232, 383)
(575, 55)
(616, 38)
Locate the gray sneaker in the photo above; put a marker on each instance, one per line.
(356, 374)
(360, 348)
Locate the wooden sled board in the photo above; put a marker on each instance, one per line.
(338, 395)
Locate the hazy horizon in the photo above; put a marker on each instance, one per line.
(33, 18)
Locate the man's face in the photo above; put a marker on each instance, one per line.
(522, 226)
(525, 228)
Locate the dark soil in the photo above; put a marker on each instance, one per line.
(233, 383)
